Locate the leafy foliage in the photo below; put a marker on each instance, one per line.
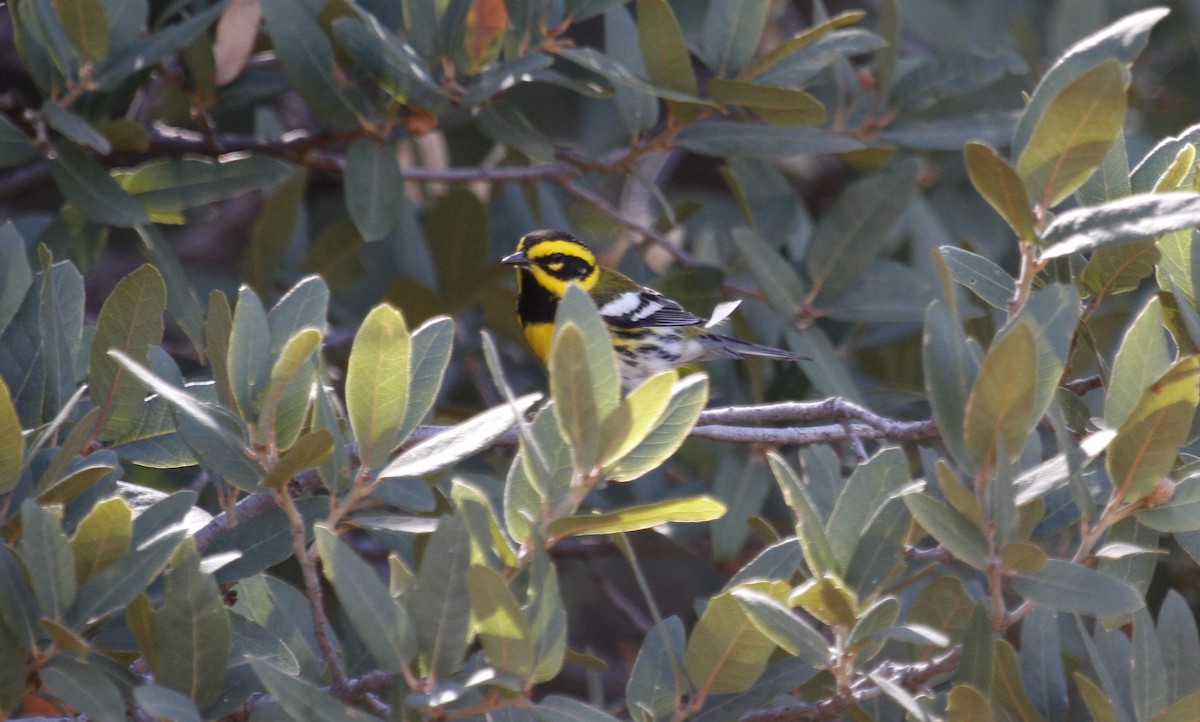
(324, 493)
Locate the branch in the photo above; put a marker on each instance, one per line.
(909, 676)
(716, 424)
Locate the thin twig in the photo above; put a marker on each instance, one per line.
(909, 676)
(312, 589)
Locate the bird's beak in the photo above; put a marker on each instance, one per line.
(517, 259)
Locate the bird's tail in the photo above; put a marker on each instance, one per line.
(736, 348)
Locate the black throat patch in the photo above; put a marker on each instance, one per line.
(535, 304)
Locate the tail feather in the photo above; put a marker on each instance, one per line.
(729, 347)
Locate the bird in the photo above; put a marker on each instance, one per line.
(650, 333)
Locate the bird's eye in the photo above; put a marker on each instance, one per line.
(556, 258)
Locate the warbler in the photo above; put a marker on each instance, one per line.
(650, 332)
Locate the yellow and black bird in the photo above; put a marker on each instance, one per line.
(650, 332)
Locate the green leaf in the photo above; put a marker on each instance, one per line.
(1140, 360)
(60, 315)
(15, 146)
(657, 678)
(665, 53)
(166, 703)
(999, 411)
(776, 105)
(637, 111)
(857, 227)
(89, 187)
(48, 558)
(950, 371)
(802, 40)
(799, 66)
(249, 359)
(776, 278)
(302, 701)
(501, 625)
(377, 383)
(1148, 440)
(309, 451)
(950, 528)
(1183, 710)
(191, 630)
(130, 321)
(182, 301)
(440, 602)
(1065, 587)
(135, 56)
(393, 63)
(102, 537)
(796, 636)
(577, 308)
(1098, 704)
(732, 139)
(826, 598)
(1124, 220)
(1073, 133)
(381, 622)
(641, 516)
(731, 33)
(866, 491)
(85, 687)
(263, 541)
(964, 703)
(1007, 693)
(688, 398)
(289, 368)
(305, 305)
(170, 185)
(1041, 664)
(1001, 187)
(114, 587)
(373, 183)
(12, 442)
(458, 442)
(1123, 39)
(979, 276)
(611, 70)
(74, 127)
(272, 232)
(457, 230)
(17, 275)
(1180, 645)
(308, 63)
(1148, 678)
(213, 433)
(574, 403)
(726, 652)
(635, 418)
(810, 528)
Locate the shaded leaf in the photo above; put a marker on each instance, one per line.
(1066, 587)
(381, 622)
(373, 183)
(89, 187)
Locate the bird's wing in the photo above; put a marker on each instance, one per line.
(646, 307)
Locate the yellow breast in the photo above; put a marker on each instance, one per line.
(540, 336)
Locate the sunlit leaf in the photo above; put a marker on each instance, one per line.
(642, 516)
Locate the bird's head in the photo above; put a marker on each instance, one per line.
(556, 259)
